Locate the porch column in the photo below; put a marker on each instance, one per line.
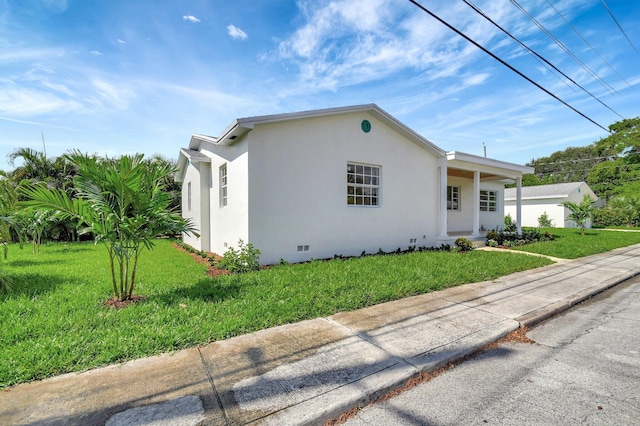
(519, 205)
(443, 199)
(476, 204)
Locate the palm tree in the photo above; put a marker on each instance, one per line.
(121, 202)
(580, 213)
(627, 207)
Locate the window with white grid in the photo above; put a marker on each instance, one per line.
(363, 185)
(223, 185)
(488, 201)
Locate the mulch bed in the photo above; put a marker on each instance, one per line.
(116, 303)
(212, 271)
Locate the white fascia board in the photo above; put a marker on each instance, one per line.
(241, 126)
(475, 162)
(186, 156)
(197, 139)
(540, 197)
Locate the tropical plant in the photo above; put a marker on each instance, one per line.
(544, 221)
(122, 203)
(580, 213)
(462, 244)
(627, 207)
(244, 259)
(509, 224)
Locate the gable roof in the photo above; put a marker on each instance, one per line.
(558, 190)
(242, 126)
(188, 155)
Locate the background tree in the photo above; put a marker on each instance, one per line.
(620, 175)
(628, 207)
(122, 202)
(580, 213)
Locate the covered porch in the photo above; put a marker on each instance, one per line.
(472, 195)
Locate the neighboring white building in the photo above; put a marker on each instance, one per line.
(537, 200)
(337, 181)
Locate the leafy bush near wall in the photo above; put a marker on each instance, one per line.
(462, 244)
(511, 239)
(244, 259)
(607, 217)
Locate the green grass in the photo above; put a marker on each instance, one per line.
(569, 244)
(54, 320)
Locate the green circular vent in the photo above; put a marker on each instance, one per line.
(366, 126)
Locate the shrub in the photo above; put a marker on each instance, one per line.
(245, 259)
(492, 243)
(509, 224)
(608, 217)
(544, 221)
(464, 245)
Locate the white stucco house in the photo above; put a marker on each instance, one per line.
(537, 200)
(339, 181)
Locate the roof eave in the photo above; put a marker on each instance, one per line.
(489, 162)
(185, 156)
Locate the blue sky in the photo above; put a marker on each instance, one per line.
(117, 77)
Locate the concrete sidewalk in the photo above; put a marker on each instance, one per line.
(309, 372)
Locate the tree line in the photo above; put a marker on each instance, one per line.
(610, 166)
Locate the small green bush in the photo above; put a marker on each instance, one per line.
(244, 259)
(492, 243)
(462, 244)
(544, 221)
(509, 224)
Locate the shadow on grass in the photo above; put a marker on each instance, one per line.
(31, 262)
(30, 285)
(206, 290)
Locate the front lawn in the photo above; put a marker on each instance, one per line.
(568, 243)
(54, 320)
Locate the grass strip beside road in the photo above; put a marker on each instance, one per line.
(54, 321)
(568, 243)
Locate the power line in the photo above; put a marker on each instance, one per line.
(586, 42)
(563, 47)
(619, 26)
(481, 13)
(461, 34)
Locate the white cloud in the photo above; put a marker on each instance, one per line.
(121, 41)
(17, 54)
(476, 79)
(22, 102)
(117, 96)
(236, 33)
(191, 18)
(96, 53)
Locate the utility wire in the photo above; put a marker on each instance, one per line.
(586, 42)
(619, 26)
(477, 10)
(461, 34)
(563, 47)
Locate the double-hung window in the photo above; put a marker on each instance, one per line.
(488, 201)
(223, 185)
(363, 185)
(453, 198)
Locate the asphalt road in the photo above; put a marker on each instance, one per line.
(584, 368)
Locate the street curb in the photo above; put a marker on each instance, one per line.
(535, 317)
(332, 410)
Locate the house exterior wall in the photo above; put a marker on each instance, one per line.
(462, 220)
(229, 224)
(532, 209)
(298, 189)
(193, 209)
(493, 220)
